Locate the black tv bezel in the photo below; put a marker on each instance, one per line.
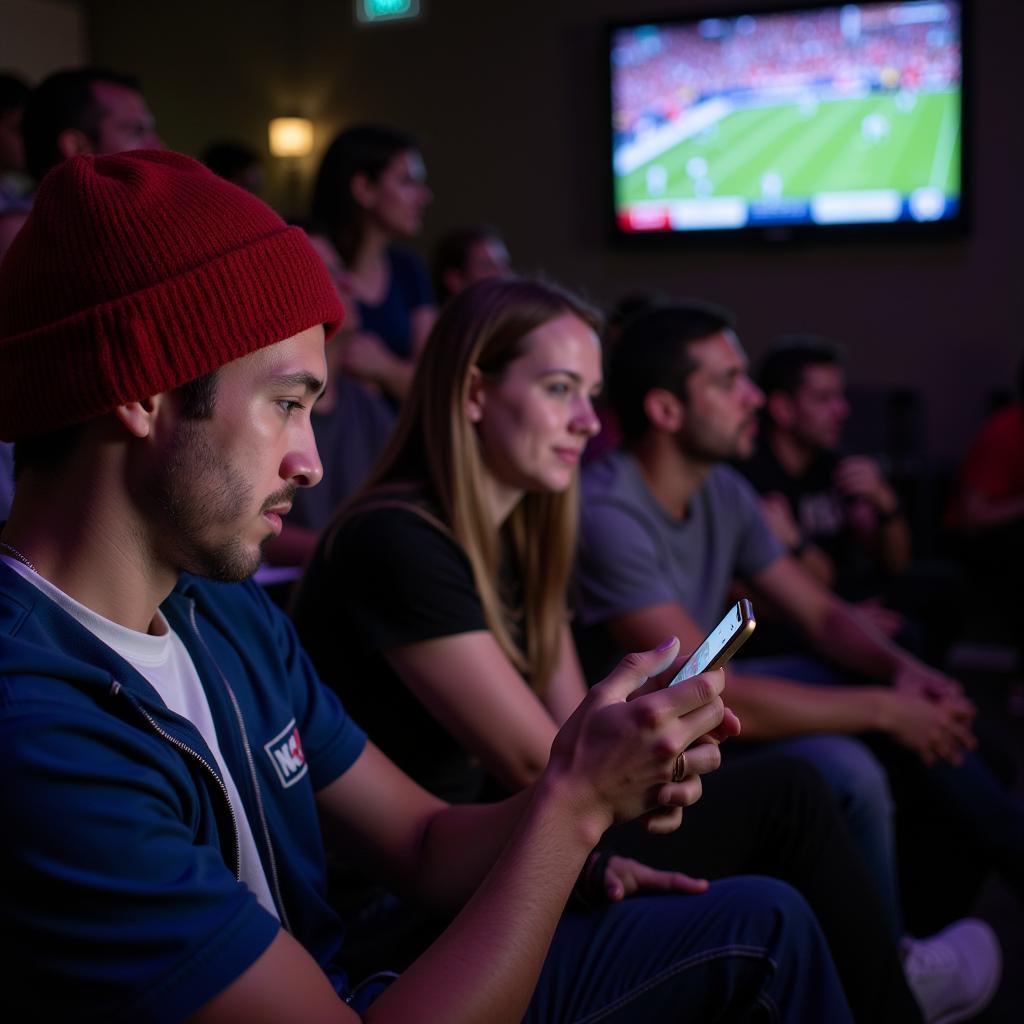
(956, 227)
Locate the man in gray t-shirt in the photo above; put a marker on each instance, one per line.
(666, 526)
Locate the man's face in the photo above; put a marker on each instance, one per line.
(125, 121)
(223, 483)
(720, 414)
(819, 407)
(486, 258)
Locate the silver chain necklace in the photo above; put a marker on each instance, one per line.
(19, 556)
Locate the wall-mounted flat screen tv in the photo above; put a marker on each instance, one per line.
(781, 122)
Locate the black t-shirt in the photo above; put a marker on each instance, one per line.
(392, 578)
(821, 513)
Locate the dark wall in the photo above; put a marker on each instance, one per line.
(508, 99)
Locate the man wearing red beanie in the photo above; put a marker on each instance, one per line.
(170, 756)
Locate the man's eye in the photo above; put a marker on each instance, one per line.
(289, 405)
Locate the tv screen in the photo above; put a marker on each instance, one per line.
(819, 119)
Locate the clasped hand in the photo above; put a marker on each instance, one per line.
(936, 719)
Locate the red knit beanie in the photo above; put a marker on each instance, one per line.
(137, 273)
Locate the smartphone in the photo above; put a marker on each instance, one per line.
(721, 643)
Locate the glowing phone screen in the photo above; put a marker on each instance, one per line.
(713, 643)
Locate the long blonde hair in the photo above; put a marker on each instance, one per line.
(435, 447)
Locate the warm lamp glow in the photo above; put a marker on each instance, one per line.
(291, 136)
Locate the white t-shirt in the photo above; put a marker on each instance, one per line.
(164, 661)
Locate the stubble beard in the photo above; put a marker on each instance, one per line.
(699, 447)
(202, 496)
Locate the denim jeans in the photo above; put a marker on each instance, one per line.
(949, 814)
(749, 949)
(770, 814)
(955, 824)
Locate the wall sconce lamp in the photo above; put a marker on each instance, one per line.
(291, 136)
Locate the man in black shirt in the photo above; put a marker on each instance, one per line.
(838, 515)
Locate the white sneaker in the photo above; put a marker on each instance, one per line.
(955, 973)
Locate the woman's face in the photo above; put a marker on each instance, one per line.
(535, 419)
(397, 198)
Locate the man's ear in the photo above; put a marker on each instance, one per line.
(664, 410)
(781, 410)
(73, 142)
(139, 417)
(475, 395)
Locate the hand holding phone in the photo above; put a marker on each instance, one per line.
(721, 643)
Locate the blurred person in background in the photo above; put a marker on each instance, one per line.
(235, 162)
(369, 194)
(351, 426)
(466, 255)
(85, 110)
(836, 511)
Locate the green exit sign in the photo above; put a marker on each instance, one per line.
(371, 11)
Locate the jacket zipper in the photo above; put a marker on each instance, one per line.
(115, 689)
(264, 828)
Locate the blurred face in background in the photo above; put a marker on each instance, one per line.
(397, 199)
(486, 258)
(721, 402)
(819, 409)
(125, 121)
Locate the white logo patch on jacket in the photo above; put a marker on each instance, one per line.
(287, 756)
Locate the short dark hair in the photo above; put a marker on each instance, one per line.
(199, 396)
(630, 305)
(47, 451)
(452, 253)
(654, 351)
(228, 159)
(65, 99)
(782, 369)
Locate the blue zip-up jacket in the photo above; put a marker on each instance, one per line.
(119, 856)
